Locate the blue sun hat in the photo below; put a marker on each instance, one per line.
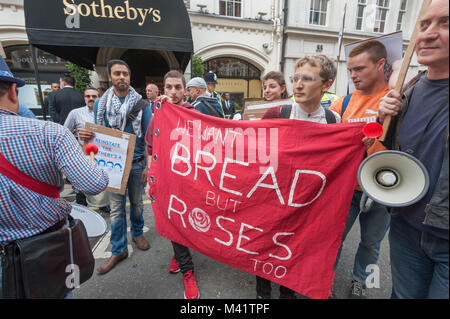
(7, 76)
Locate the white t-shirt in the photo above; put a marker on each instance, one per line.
(318, 116)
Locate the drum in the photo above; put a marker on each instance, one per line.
(94, 223)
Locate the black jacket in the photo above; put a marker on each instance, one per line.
(62, 102)
(232, 109)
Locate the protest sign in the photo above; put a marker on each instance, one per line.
(394, 47)
(115, 155)
(269, 197)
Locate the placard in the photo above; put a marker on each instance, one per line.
(115, 155)
(394, 47)
(255, 109)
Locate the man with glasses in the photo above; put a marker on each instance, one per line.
(314, 75)
(366, 64)
(76, 122)
(77, 118)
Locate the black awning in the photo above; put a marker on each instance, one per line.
(76, 29)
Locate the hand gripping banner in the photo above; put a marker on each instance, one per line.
(269, 197)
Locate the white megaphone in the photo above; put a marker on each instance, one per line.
(393, 179)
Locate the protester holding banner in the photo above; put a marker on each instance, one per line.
(274, 87)
(366, 64)
(34, 156)
(174, 89)
(418, 239)
(122, 108)
(314, 75)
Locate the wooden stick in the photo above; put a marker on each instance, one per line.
(2, 52)
(92, 157)
(406, 62)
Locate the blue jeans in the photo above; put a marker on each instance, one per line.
(374, 225)
(118, 211)
(419, 263)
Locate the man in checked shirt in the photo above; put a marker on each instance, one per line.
(40, 152)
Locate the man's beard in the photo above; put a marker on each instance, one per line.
(122, 88)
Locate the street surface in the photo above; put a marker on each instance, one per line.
(144, 274)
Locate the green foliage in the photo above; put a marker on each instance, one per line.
(197, 67)
(81, 76)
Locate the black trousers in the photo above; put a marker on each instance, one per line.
(183, 257)
(264, 289)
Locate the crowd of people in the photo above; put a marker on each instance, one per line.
(418, 236)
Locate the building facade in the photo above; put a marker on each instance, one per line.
(241, 40)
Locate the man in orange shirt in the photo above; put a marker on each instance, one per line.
(366, 64)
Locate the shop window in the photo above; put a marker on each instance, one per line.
(19, 59)
(232, 68)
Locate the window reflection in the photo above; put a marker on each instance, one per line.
(232, 68)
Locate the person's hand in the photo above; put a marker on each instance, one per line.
(144, 175)
(368, 142)
(390, 105)
(164, 98)
(85, 135)
(147, 192)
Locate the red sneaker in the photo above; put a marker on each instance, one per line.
(174, 267)
(190, 286)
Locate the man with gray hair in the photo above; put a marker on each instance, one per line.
(201, 100)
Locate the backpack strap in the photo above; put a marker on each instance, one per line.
(345, 104)
(140, 105)
(285, 111)
(331, 119)
(211, 109)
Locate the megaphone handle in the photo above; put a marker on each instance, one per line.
(365, 204)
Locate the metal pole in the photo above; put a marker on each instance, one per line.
(38, 81)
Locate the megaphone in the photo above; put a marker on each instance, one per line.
(393, 179)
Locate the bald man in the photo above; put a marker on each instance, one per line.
(152, 92)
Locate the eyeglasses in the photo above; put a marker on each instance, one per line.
(305, 78)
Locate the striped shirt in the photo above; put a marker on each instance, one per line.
(44, 151)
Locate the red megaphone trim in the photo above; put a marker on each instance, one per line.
(373, 130)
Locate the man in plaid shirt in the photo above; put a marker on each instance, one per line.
(43, 151)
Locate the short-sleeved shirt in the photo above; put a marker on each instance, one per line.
(362, 108)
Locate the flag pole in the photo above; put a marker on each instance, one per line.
(2, 52)
(340, 41)
(406, 62)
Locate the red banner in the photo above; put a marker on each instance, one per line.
(268, 197)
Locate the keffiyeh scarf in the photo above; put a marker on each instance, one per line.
(117, 113)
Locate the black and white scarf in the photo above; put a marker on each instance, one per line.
(117, 113)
